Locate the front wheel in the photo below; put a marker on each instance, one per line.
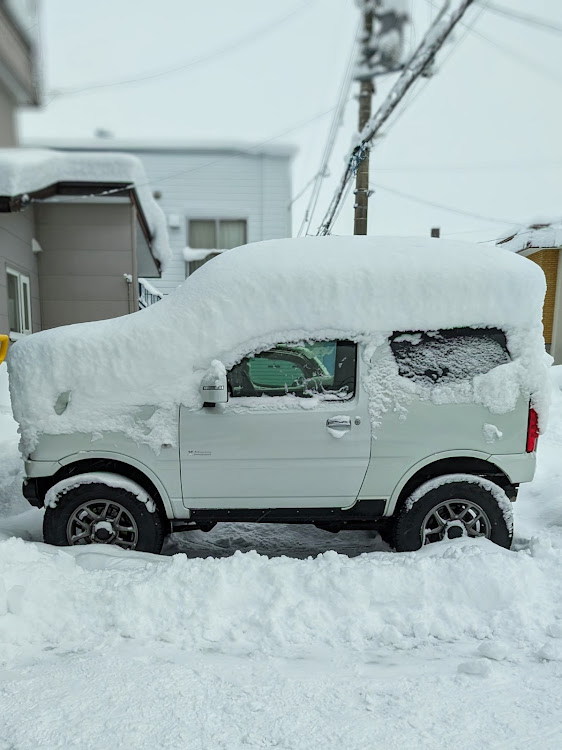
(96, 513)
(454, 506)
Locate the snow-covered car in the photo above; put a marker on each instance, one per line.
(395, 384)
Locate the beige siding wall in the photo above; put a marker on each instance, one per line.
(8, 135)
(86, 250)
(16, 232)
(556, 346)
(548, 261)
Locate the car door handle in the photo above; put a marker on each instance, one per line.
(338, 426)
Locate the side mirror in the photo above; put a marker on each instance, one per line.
(213, 385)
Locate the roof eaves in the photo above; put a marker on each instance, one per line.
(16, 203)
(144, 225)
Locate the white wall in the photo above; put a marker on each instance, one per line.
(222, 185)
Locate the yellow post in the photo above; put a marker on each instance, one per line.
(4, 341)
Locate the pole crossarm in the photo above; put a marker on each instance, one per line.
(419, 61)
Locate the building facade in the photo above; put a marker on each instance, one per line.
(214, 196)
(18, 76)
(541, 242)
(74, 249)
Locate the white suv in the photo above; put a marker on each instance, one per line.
(423, 433)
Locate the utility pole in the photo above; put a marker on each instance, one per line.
(366, 91)
(381, 52)
(418, 65)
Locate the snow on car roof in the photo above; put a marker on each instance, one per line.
(28, 170)
(254, 296)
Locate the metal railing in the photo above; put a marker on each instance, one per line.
(148, 294)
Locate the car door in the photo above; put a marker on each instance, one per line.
(295, 433)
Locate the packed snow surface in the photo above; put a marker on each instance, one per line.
(27, 170)
(255, 296)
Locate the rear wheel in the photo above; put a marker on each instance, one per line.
(98, 514)
(454, 508)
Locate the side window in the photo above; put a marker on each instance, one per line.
(19, 302)
(448, 356)
(305, 369)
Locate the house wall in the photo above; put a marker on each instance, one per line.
(16, 232)
(548, 261)
(87, 249)
(207, 184)
(8, 136)
(556, 346)
(17, 58)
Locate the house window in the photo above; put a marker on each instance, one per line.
(214, 234)
(19, 302)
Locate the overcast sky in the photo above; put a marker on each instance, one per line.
(481, 136)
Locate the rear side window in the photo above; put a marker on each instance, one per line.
(448, 356)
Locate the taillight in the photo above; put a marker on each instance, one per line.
(532, 430)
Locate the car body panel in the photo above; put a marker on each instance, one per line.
(243, 455)
(162, 469)
(236, 456)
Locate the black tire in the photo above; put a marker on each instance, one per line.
(482, 515)
(136, 527)
(386, 531)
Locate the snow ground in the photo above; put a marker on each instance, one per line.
(272, 636)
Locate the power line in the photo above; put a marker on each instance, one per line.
(303, 190)
(540, 23)
(409, 100)
(489, 166)
(249, 150)
(343, 98)
(9, 231)
(417, 64)
(244, 39)
(521, 59)
(434, 204)
(514, 55)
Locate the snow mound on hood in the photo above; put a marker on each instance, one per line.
(252, 297)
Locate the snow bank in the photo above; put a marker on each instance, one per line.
(248, 604)
(11, 467)
(27, 170)
(257, 295)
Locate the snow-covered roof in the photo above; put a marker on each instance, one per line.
(25, 171)
(165, 145)
(251, 297)
(542, 232)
